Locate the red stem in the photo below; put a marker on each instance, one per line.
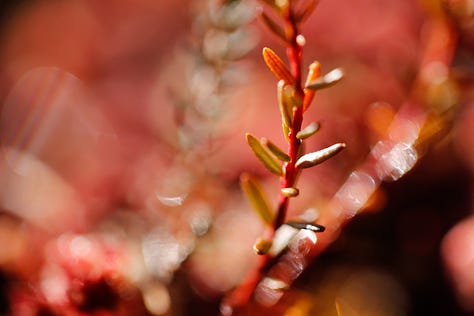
(294, 53)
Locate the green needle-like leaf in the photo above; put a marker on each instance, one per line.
(315, 158)
(256, 198)
(265, 157)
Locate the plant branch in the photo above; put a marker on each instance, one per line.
(294, 100)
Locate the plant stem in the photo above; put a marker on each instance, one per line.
(294, 53)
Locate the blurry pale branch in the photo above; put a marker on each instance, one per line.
(204, 73)
(221, 37)
(210, 67)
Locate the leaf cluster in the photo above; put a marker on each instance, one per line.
(294, 99)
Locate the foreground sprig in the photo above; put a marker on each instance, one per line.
(294, 99)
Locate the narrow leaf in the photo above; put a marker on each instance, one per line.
(285, 110)
(256, 198)
(301, 150)
(274, 27)
(313, 74)
(308, 131)
(306, 11)
(315, 158)
(327, 80)
(277, 151)
(259, 150)
(286, 131)
(277, 66)
(290, 192)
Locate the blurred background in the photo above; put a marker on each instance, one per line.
(122, 142)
